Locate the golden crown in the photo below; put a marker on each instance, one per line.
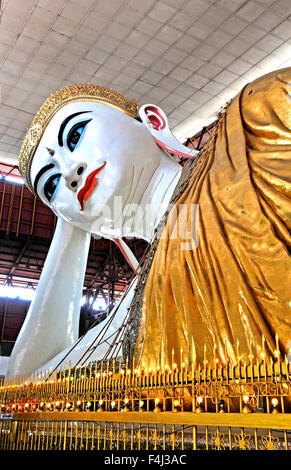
(80, 92)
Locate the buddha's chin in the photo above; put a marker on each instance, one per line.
(99, 214)
(96, 221)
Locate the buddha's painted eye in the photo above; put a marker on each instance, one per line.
(75, 134)
(51, 185)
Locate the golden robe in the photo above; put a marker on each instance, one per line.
(234, 288)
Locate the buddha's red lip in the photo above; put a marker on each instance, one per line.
(89, 185)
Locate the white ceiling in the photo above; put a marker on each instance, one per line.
(187, 56)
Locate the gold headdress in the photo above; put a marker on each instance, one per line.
(81, 92)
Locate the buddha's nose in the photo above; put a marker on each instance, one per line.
(73, 175)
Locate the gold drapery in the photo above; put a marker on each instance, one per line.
(234, 288)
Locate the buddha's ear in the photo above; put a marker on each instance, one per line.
(155, 119)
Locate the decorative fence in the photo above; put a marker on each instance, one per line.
(109, 406)
(144, 431)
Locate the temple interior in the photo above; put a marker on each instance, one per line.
(189, 58)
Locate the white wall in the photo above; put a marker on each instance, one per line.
(3, 365)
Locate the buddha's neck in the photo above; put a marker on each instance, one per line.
(141, 219)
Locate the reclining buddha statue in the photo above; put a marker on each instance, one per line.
(107, 169)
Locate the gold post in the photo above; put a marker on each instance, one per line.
(19, 211)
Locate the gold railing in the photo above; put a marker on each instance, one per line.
(111, 406)
(144, 431)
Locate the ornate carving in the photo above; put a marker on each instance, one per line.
(270, 442)
(217, 439)
(242, 441)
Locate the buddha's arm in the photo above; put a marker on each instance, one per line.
(52, 321)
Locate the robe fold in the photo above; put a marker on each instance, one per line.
(221, 282)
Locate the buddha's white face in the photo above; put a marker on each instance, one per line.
(97, 153)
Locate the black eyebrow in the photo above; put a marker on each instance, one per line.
(43, 170)
(64, 123)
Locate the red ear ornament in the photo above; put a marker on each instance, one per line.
(157, 123)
